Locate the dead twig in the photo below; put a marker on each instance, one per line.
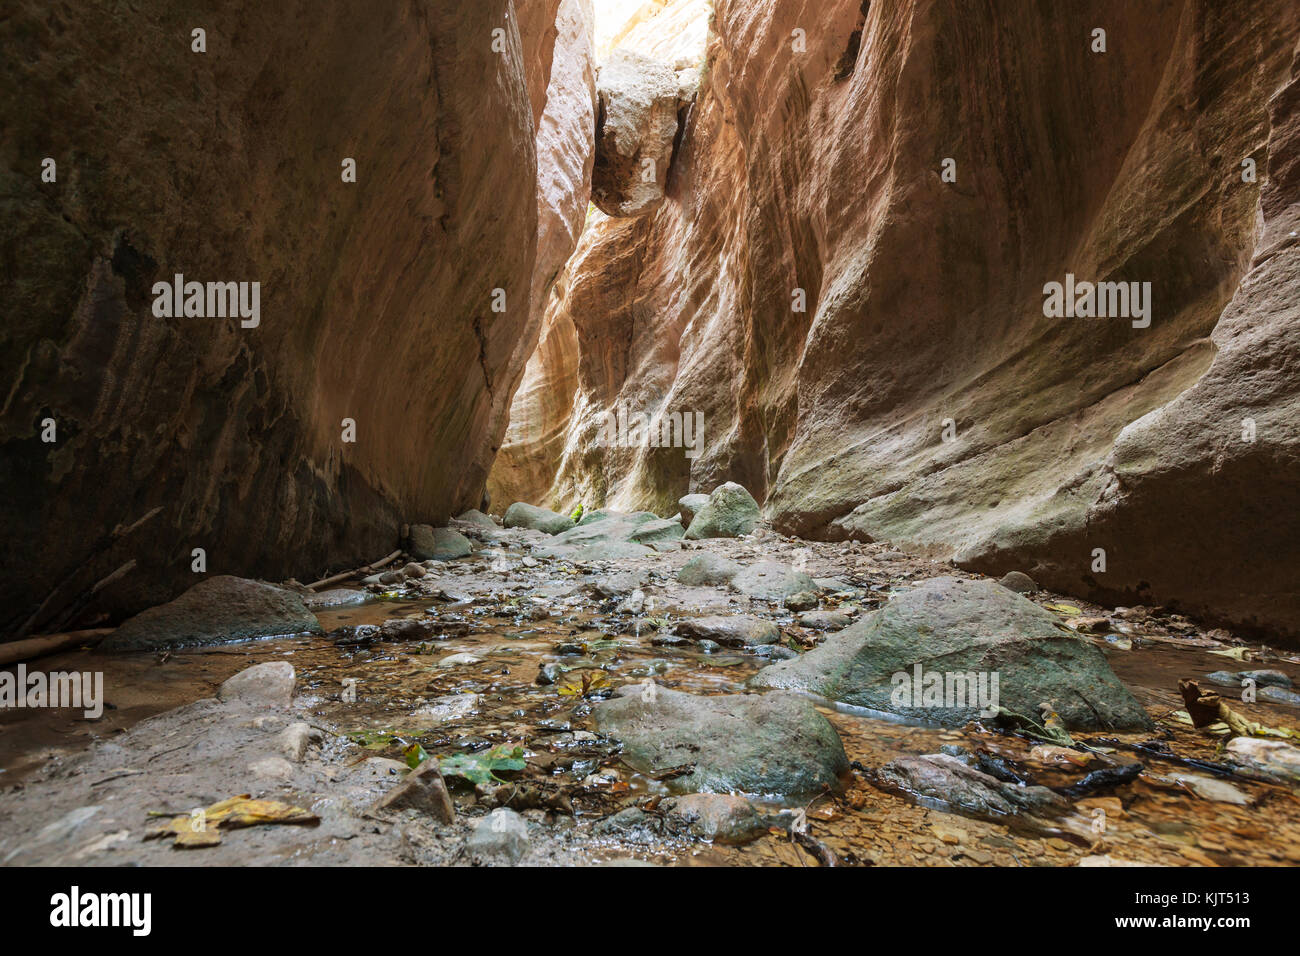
(358, 572)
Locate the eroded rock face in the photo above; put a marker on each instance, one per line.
(375, 295)
(635, 129)
(862, 324)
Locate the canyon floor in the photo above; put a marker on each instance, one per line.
(507, 648)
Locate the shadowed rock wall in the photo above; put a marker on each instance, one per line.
(375, 296)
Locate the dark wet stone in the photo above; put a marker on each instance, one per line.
(744, 743)
(730, 630)
(214, 611)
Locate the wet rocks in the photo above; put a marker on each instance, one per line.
(500, 837)
(1266, 678)
(737, 631)
(335, 597)
(422, 790)
(730, 512)
(269, 683)
(1279, 695)
(774, 582)
(216, 610)
(716, 817)
(746, 743)
(927, 651)
(428, 543)
(1272, 759)
(635, 132)
(825, 620)
(522, 515)
(707, 568)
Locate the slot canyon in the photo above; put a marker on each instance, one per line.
(687, 432)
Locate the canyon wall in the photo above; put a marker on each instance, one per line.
(226, 164)
(847, 280)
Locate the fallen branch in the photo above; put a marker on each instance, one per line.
(358, 572)
(23, 650)
(819, 850)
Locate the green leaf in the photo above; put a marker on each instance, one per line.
(479, 768)
(415, 755)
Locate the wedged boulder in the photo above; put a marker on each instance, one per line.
(523, 515)
(636, 127)
(961, 634)
(773, 581)
(730, 512)
(438, 544)
(688, 505)
(708, 569)
(739, 630)
(774, 744)
(216, 610)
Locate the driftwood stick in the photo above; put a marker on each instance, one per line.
(106, 541)
(85, 597)
(358, 572)
(24, 650)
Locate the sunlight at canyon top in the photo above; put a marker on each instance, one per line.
(672, 30)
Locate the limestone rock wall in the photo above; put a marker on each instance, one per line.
(923, 396)
(375, 296)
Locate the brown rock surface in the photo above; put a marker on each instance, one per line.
(822, 170)
(375, 296)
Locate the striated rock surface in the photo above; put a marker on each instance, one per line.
(847, 280)
(375, 295)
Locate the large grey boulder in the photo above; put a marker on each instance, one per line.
(523, 515)
(216, 610)
(961, 634)
(635, 133)
(708, 568)
(772, 581)
(730, 512)
(428, 543)
(774, 744)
